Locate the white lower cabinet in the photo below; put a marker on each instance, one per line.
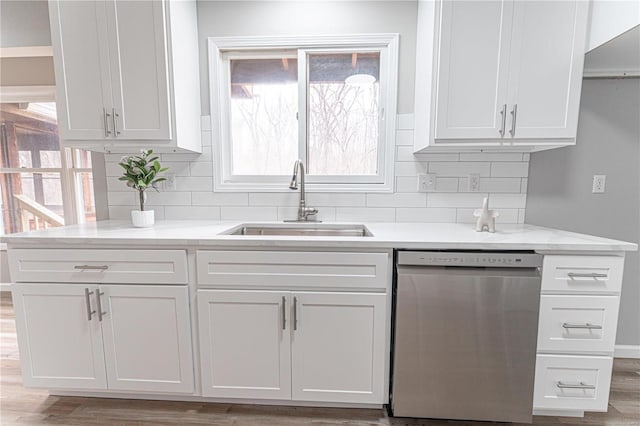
(147, 338)
(244, 344)
(337, 347)
(305, 346)
(576, 332)
(60, 347)
(572, 382)
(115, 337)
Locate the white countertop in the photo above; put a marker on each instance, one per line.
(385, 235)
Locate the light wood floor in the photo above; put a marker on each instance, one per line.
(19, 405)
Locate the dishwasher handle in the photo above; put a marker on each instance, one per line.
(511, 260)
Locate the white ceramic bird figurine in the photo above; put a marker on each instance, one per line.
(486, 217)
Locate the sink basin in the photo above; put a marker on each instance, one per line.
(302, 229)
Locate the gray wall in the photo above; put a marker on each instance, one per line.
(273, 18)
(27, 71)
(24, 23)
(4, 268)
(560, 180)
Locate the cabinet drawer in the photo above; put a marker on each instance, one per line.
(570, 323)
(601, 274)
(98, 266)
(572, 382)
(292, 269)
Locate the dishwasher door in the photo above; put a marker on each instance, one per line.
(465, 343)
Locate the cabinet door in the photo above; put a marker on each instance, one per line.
(80, 53)
(472, 69)
(60, 347)
(147, 338)
(338, 347)
(139, 70)
(245, 344)
(546, 70)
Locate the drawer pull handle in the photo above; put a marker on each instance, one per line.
(100, 312)
(593, 275)
(92, 267)
(295, 314)
(514, 114)
(503, 113)
(586, 326)
(284, 313)
(87, 297)
(114, 116)
(107, 132)
(581, 385)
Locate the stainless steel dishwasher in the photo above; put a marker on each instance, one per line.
(465, 331)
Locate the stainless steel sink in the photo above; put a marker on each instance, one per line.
(305, 229)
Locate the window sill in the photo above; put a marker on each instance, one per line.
(309, 187)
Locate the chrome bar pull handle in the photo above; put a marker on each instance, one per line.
(295, 313)
(514, 114)
(586, 326)
(580, 385)
(99, 305)
(504, 119)
(87, 297)
(593, 275)
(114, 116)
(284, 313)
(92, 267)
(106, 116)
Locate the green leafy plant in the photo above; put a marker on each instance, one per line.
(141, 172)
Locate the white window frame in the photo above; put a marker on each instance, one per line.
(69, 170)
(386, 44)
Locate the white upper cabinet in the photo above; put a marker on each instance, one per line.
(81, 66)
(545, 76)
(474, 61)
(139, 69)
(503, 74)
(121, 85)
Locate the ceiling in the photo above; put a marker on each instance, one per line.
(619, 56)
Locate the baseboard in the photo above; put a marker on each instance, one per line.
(556, 413)
(627, 351)
(196, 398)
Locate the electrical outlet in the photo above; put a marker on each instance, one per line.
(598, 184)
(427, 182)
(474, 182)
(170, 183)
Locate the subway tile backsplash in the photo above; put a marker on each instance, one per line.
(503, 176)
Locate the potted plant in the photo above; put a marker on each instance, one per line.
(141, 172)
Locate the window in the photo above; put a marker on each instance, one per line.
(327, 100)
(41, 185)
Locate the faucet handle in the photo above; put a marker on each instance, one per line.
(310, 211)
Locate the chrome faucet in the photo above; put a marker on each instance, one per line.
(303, 211)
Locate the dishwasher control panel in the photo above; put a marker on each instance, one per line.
(470, 259)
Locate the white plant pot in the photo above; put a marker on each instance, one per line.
(142, 219)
